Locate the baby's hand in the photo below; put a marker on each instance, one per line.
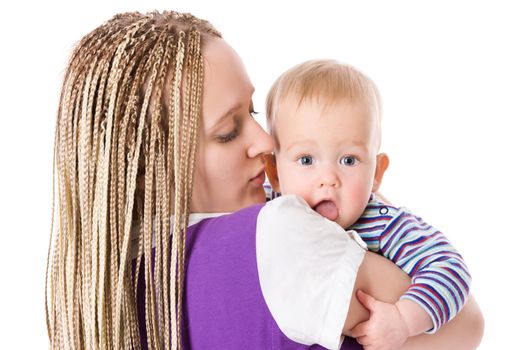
(385, 329)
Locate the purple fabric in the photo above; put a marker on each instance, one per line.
(223, 306)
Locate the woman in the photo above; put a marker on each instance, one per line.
(140, 93)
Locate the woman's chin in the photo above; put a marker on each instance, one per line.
(258, 196)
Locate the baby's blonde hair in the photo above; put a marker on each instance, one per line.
(129, 109)
(328, 81)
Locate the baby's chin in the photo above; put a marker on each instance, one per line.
(344, 222)
(349, 217)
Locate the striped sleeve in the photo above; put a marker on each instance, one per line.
(440, 278)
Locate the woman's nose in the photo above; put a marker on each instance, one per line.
(260, 141)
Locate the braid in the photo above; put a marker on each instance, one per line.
(175, 117)
(181, 182)
(152, 327)
(161, 225)
(112, 128)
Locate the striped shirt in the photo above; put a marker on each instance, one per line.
(440, 278)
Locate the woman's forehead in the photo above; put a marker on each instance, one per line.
(226, 83)
(222, 65)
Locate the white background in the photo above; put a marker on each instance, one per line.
(452, 77)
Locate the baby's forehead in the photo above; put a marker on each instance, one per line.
(324, 110)
(361, 107)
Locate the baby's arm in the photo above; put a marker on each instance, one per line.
(440, 278)
(464, 332)
(386, 323)
(389, 324)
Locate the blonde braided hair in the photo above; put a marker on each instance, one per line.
(129, 109)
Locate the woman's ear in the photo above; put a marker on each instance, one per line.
(271, 171)
(382, 162)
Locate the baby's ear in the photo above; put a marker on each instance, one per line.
(382, 162)
(271, 171)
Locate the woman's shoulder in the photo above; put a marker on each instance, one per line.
(284, 208)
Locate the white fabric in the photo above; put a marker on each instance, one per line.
(195, 218)
(307, 268)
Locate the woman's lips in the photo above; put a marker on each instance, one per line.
(259, 179)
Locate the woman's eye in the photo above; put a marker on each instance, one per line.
(229, 136)
(348, 161)
(253, 113)
(305, 160)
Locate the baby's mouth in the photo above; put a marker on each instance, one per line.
(328, 209)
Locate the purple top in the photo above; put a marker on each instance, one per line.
(224, 307)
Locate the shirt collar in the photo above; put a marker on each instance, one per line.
(195, 218)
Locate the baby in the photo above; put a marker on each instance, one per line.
(325, 118)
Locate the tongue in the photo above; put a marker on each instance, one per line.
(327, 209)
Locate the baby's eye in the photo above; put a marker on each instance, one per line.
(305, 160)
(348, 161)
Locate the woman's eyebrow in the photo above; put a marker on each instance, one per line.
(225, 116)
(232, 110)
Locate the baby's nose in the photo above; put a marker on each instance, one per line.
(329, 177)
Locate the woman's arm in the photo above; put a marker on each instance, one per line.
(463, 332)
(379, 277)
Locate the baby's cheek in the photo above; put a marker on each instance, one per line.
(357, 197)
(283, 175)
(296, 185)
(362, 195)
